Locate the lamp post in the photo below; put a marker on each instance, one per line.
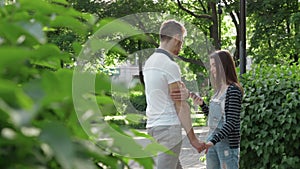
(242, 44)
(220, 22)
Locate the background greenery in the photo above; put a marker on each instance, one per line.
(270, 119)
(39, 44)
(39, 126)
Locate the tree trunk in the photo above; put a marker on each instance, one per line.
(141, 76)
(214, 33)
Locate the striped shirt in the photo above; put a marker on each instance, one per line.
(231, 127)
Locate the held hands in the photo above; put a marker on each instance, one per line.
(198, 145)
(207, 146)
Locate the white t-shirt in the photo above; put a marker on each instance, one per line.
(159, 72)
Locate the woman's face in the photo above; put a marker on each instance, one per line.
(213, 67)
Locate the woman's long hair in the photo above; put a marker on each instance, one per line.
(225, 69)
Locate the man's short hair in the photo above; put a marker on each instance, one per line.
(169, 28)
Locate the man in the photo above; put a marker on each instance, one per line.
(166, 116)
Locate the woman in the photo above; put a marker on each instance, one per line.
(223, 140)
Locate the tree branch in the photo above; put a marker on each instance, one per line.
(194, 61)
(202, 5)
(234, 20)
(142, 27)
(205, 16)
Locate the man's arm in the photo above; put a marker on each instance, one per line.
(184, 115)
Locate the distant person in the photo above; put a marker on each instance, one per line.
(223, 141)
(167, 116)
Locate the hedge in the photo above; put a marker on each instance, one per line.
(270, 130)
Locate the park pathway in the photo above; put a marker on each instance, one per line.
(189, 157)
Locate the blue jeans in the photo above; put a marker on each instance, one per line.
(170, 137)
(220, 156)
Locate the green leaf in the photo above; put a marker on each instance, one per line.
(132, 149)
(91, 19)
(45, 8)
(10, 32)
(57, 85)
(77, 48)
(109, 27)
(49, 56)
(64, 2)
(93, 151)
(18, 117)
(35, 91)
(141, 134)
(11, 56)
(102, 83)
(98, 44)
(134, 118)
(11, 93)
(154, 148)
(70, 22)
(259, 152)
(57, 137)
(48, 50)
(106, 105)
(147, 163)
(35, 29)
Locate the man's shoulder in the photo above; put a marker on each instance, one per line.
(159, 60)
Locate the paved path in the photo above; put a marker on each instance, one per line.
(189, 157)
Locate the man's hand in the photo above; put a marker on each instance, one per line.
(207, 146)
(198, 145)
(180, 94)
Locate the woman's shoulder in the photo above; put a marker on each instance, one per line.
(233, 88)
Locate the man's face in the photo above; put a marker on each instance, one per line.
(178, 42)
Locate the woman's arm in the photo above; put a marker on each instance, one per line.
(199, 101)
(233, 104)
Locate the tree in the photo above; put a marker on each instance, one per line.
(274, 31)
(208, 16)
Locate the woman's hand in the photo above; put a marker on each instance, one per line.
(196, 99)
(207, 146)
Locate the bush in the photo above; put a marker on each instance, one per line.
(270, 118)
(139, 102)
(39, 125)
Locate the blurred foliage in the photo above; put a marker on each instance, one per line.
(39, 125)
(39, 44)
(270, 119)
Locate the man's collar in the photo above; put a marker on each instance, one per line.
(160, 50)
